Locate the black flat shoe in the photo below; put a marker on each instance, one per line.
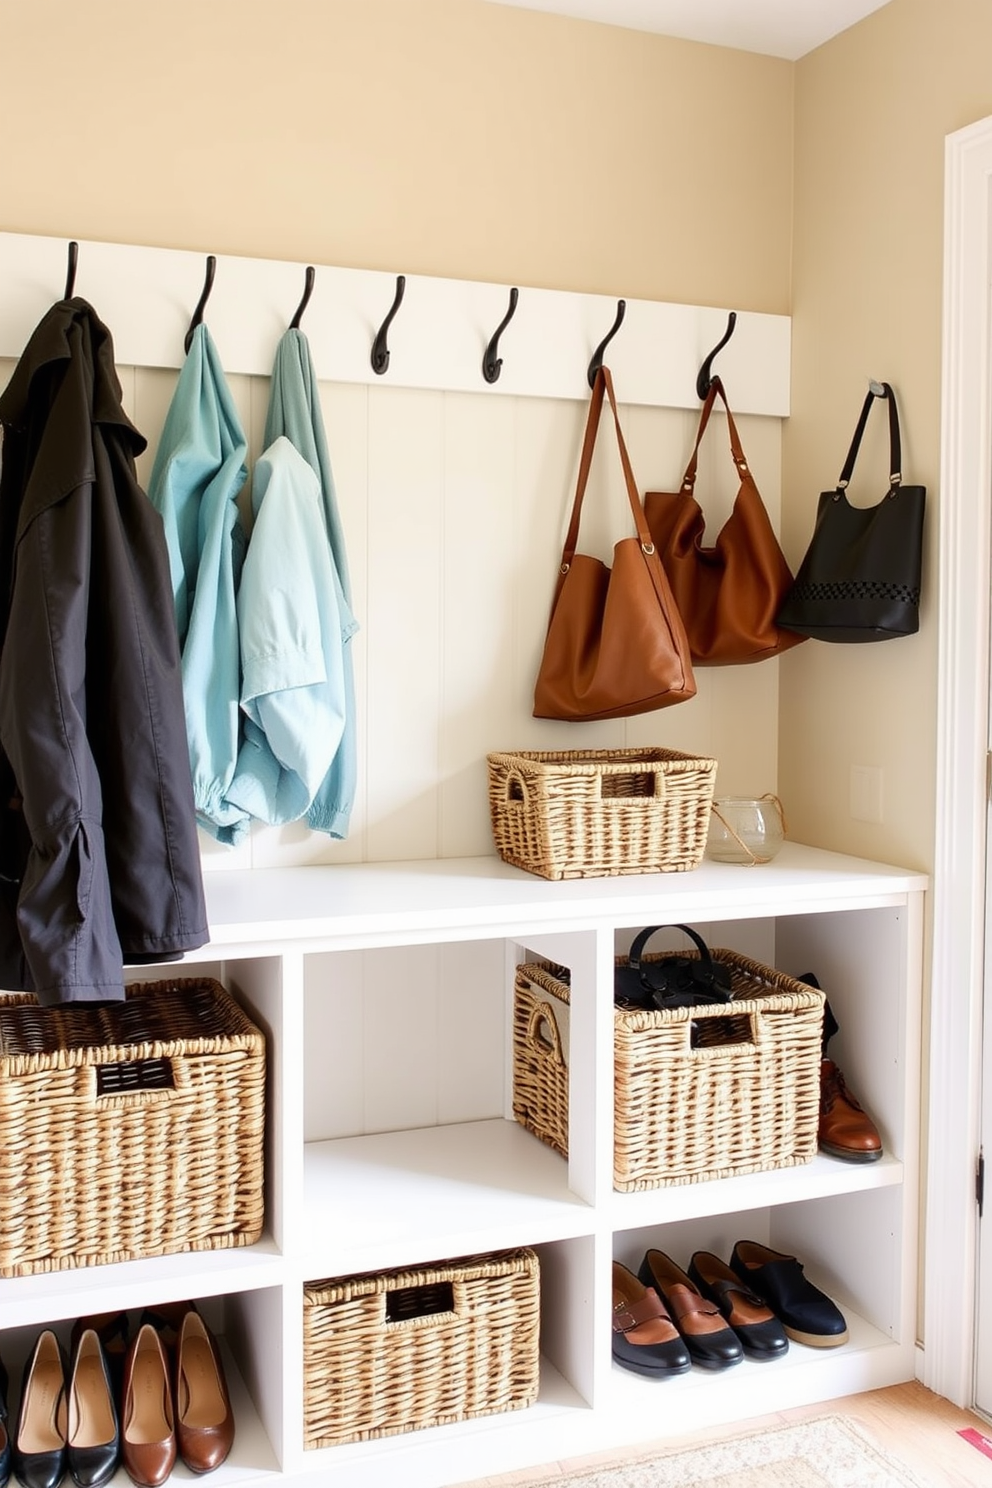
(808, 1315)
(645, 1340)
(38, 1447)
(761, 1333)
(4, 1437)
(711, 1344)
(94, 1439)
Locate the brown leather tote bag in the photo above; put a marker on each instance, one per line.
(729, 594)
(616, 644)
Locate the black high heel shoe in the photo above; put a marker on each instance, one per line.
(39, 1445)
(4, 1438)
(94, 1438)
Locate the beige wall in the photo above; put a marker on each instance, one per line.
(872, 110)
(446, 137)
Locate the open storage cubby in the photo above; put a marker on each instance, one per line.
(385, 993)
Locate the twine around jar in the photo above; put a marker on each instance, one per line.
(752, 857)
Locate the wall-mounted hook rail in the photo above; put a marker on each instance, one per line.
(380, 350)
(597, 356)
(704, 380)
(492, 362)
(70, 275)
(311, 276)
(208, 285)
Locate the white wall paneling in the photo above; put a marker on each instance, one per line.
(437, 339)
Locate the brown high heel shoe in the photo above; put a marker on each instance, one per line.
(204, 1420)
(148, 1437)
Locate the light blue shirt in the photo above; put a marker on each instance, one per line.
(293, 690)
(198, 471)
(294, 412)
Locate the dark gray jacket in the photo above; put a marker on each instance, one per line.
(99, 859)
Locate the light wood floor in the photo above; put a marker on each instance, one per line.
(907, 1420)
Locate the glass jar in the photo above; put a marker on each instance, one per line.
(745, 829)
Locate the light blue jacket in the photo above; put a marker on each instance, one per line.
(293, 692)
(294, 412)
(198, 471)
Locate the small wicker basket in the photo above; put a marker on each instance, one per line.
(699, 1093)
(131, 1129)
(401, 1350)
(595, 813)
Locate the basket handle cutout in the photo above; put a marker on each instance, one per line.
(134, 1075)
(515, 788)
(739, 1030)
(406, 1303)
(542, 1032)
(637, 785)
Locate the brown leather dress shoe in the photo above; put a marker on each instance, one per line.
(204, 1419)
(845, 1130)
(148, 1437)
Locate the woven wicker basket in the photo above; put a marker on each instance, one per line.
(130, 1129)
(594, 813)
(407, 1349)
(699, 1093)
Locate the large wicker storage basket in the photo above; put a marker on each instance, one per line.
(699, 1093)
(593, 813)
(405, 1349)
(129, 1129)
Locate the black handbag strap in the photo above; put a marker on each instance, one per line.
(895, 445)
(641, 939)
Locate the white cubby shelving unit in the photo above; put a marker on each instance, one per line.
(390, 1143)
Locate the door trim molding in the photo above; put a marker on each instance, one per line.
(958, 960)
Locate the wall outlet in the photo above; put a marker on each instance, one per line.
(866, 793)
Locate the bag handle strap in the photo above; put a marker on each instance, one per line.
(641, 939)
(603, 383)
(895, 445)
(736, 448)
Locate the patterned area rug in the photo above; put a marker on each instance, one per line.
(830, 1452)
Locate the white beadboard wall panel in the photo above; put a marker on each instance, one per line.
(437, 339)
(406, 545)
(336, 1029)
(471, 1026)
(480, 549)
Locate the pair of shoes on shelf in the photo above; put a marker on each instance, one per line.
(666, 1319)
(808, 1315)
(67, 1418)
(175, 1400)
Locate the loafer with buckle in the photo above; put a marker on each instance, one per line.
(711, 1344)
(761, 1333)
(94, 1442)
(808, 1315)
(38, 1447)
(645, 1340)
(148, 1437)
(845, 1130)
(204, 1419)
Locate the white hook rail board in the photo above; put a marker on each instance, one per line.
(437, 339)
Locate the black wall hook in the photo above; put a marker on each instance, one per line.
(208, 285)
(380, 351)
(597, 356)
(311, 275)
(70, 276)
(704, 380)
(491, 362)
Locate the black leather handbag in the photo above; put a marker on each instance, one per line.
(860, 578)
(670, 981)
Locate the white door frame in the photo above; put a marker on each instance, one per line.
(958, 963)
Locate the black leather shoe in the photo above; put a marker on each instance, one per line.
(112, 1330)
(808, 1315)
(94, 1439)
(4, 1437)
(759, 1330)
(711, 1344)
(645, 1340)
(38, 1447)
